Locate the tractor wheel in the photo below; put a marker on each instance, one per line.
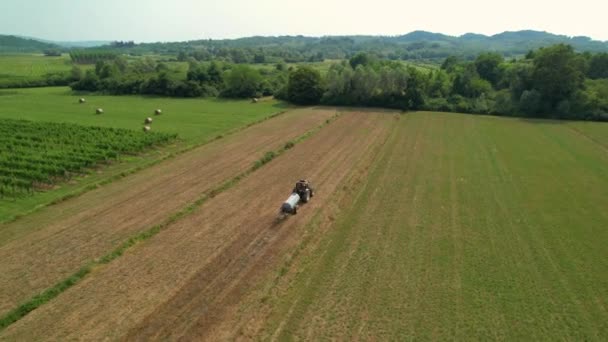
(312, 193)
(306, 197)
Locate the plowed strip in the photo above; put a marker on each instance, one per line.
(44, 248)
(178, 283)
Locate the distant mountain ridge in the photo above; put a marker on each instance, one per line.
(22, 44)
(72, 44)
(413, 45)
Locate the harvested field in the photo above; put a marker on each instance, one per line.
(467, 228)
(43, 248)
(183, 279)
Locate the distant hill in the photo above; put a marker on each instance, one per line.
(74, 44)
(13, 44)
(22, 44)
(84, 43)
(416, 45)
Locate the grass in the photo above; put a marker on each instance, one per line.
(195, 121)
(468, 228)
(19, 68)
(192, 119)
(54, 291)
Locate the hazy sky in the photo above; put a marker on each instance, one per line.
(176, 20)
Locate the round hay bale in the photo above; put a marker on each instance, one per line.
(148, 121)
(147, 129)
(82, 100)
(158, 112)
(99, 111)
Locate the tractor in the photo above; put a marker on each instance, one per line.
(302, 192)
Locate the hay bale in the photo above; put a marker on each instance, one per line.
(148, 121)
(82, 100)
(254, 100)
(99, 111)
(158, 112)
(147, 129)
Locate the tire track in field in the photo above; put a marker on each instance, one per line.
(217, 250)
(51, 244)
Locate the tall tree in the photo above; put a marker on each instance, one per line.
(305, 86)
(558, 73)
(243, 81)
(598, 66)
(487, 65)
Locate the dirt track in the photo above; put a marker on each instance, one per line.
(43, 248)
(182, 281)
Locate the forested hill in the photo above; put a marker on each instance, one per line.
(414, 45)
(12, 44)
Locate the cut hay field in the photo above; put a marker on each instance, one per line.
(195, 121)
(425, 226)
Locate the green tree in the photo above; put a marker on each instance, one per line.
(361, 58)
(468, 83)
(89, 82)
(243, 81)
(259, 58)
(530, 102)
(215, 74)
(415, 89)
(450, 63)
(598, 66)
(558, 73)
(76, 74)
(487, 65)
(305, 86)
(439, 84)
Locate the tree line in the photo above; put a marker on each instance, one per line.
(551, 82)
(146, 76)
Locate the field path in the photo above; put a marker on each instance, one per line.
(43, 248)
(180, 282)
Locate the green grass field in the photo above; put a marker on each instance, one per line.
(27, 67)
(195, 121)
(468, 228)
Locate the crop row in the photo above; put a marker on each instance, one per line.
(35, 155)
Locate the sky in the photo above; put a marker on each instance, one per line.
(179, 20)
